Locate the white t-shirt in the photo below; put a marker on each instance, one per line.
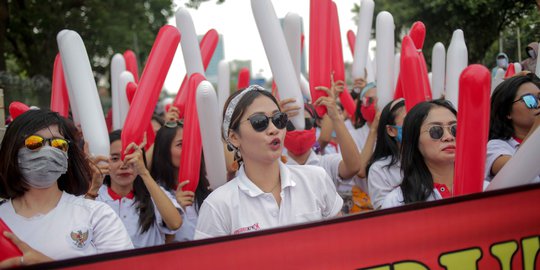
(497, 148)
(360, 136)
(126, 209)
(187, 231)
(307, 194)
(382, 179)
(395, 198)
(75, 227)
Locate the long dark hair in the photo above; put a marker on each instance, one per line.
(145, 206)
(387, 145)
(359, 120)
(417, 182)
(75, 181)
(166, 174)
(502, 99)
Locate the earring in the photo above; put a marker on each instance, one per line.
(284, 159)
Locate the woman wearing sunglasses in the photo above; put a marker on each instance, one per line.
(165, 164)
(42, 175)
(384, 170)
(147, 211)
(427, 154)
(265, 193)
(515, 115)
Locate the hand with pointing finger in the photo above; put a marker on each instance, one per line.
(184, 198)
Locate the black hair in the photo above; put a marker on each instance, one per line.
(502, 99)
(240, 109)
(75, 181)
(417, 184)
(386, 145)
(158, 119)
(166, 174)
(145, 206)
(359, 120)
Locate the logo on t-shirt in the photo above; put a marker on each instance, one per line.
(79, 238)
(252, 228)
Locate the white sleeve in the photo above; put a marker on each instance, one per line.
(210, 223)
(159, 220)
(109, 233)
(331, 199)
(379, 184)
(495, 149)
(330, 163)
(393, 199)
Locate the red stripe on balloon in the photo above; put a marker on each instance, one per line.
(59, 93)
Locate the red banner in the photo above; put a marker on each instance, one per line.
(492, 230)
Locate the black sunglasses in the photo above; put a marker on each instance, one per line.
(437, 132)
(530, 100)
(260, 122)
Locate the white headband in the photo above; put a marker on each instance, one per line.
(230, 109)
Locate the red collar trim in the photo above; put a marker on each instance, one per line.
(443, 190)
(115, 195)
(517, 139)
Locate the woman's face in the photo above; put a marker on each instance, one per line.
(176, 147)
(438, 151)
(520, 115)
(121, 175)
(260, 147)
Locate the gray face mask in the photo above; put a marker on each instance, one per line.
(41, 169)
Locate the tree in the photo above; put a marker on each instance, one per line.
(480, 20)
(105, 26)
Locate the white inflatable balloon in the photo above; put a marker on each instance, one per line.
(209, 115)
(292, 29)
(123, 80)
(72, 105)
(77, 68)
(190, 44)
(371, 68)
(224, 85)
(277, 53)
(498, 79)
(385, 55)
(118, 65)
(456, 62)
(363, 35)
(397, 63)
(304, 86)
(438, 63)
(522, 168)
(517, 67)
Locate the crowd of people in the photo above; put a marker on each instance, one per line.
(61, 202)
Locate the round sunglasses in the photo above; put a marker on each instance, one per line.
(436, 132)
(35, 142)
(530, 100)
(260, 122)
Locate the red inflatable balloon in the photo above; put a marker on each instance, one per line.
(59, 92)
(207, 45)
(473, 129)
(243, 79)
(131, 64)
(399, 88)
(418, 35)
(337, 61)
(131, 88)
(351, 38)
(320, 57)
(150, 85)
(17, 108)
(410, 73)
(190, 159)
(511, 71)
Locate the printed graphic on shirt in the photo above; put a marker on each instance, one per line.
(79, 238)
(252, 228)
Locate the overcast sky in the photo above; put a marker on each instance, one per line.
(234, 20)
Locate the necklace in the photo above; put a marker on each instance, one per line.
(277, 184)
